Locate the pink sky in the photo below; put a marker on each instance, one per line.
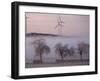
(74, 25)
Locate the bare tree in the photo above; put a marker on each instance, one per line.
(65, 50)
(86, 48)
(68, 51)
(59, 50)
(41, 47)
(72, 51)
(80, 50)
(83, 48)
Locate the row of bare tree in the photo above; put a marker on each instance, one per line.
(41, 47)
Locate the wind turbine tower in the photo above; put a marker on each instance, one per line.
(59, 25)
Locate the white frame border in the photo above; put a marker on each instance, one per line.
(53, 70)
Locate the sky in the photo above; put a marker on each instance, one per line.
(74, 25)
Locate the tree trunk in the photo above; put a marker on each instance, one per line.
(41, 58)
(62, 57)
(81, 56)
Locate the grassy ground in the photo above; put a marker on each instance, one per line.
(58, 63)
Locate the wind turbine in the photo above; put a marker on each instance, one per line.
(59, 25)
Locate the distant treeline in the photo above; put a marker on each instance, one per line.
(53, 35)
(39, 34)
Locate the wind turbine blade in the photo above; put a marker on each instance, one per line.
(62, 21)
(59, 18)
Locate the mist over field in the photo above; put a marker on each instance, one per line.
(51, 41)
